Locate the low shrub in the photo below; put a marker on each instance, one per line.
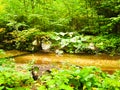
(11, 78)
(74, 78)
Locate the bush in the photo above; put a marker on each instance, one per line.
(11, 78)
(74, 78)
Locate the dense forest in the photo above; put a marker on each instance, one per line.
(61, 26)
(71, 25)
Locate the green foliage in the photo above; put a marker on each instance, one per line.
(68, 42)
(23, 39)
(11, 78)
(110, 10)
(91, 17)
(68, 77)
(86, 17)
(50, 15)
(74, 78)
(2, 54)
(73, 42)
(108, 43)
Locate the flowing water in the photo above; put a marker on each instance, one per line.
(105, 62)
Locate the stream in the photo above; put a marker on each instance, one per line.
(105, 62)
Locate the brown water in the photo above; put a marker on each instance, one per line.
(105, 62)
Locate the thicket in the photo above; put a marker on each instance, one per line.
(86, 17)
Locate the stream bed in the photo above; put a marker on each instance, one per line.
(105, 62)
